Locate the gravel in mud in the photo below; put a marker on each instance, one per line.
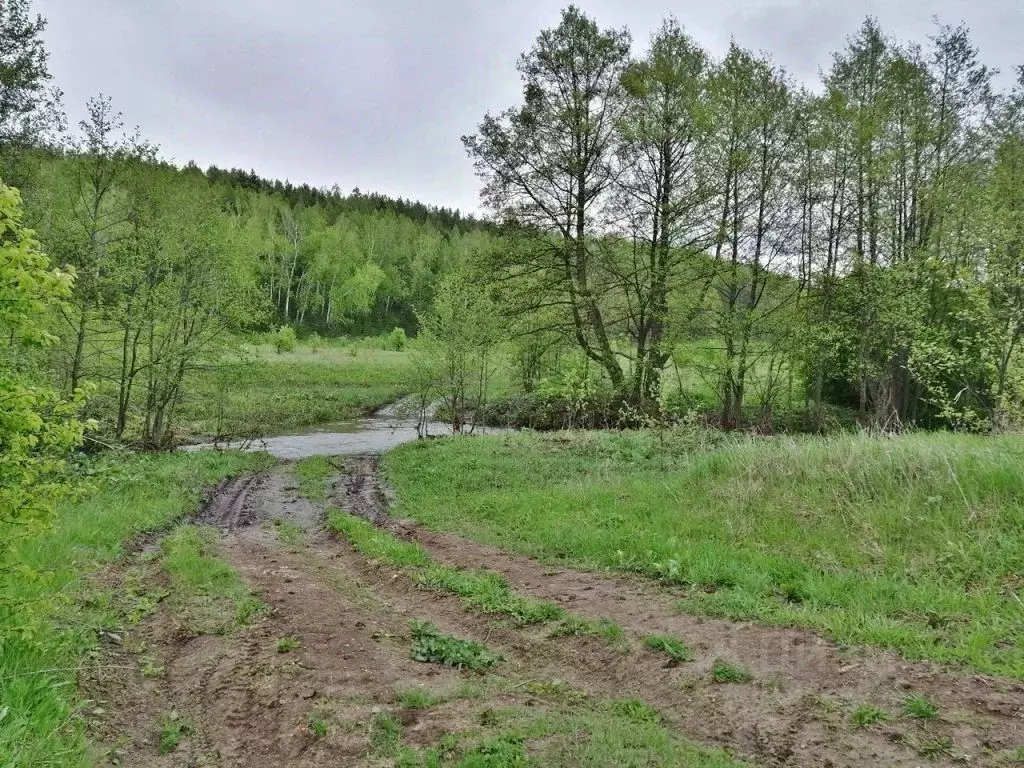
(249, 705)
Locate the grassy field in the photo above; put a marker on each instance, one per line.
(265, 392)
(51, 616)
(915, 543)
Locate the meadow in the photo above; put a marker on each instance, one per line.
(912, 543)
(263, 392)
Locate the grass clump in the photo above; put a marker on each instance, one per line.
(288, 644)
(386, 735)
(933, 749)
(378, 544)
(312, 475)
(318, 727)
(866, 715)
(171, 731)
(636, 711)
(416, 698)
(209, 596)
(577, 626)
(489, 592)
(435, 647)
(724, 672)
(919, 707)
(676, 651)
(913, 543)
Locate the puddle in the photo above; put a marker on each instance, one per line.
(361, 436)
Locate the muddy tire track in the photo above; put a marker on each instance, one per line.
(796, 711)
(249, 705)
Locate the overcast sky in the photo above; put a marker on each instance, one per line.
(376, 94)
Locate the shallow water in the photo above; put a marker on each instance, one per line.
(360, 436)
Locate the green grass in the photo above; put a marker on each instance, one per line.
(675, 650)
(49, 624)
(724, 672)
(562, 734)
(377, 544)
(208, 596)
(416, 698)
(268, 393)
(318, 727)
(489, 592)
(919, 707)
(386, 735)
(867, 714)
(170, 734)
(914, 543)
(577, 626)
(287, 644)
(312, 475)
(434, 647)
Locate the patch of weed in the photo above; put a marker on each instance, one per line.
(312, 475)
(435, 647)
(866, 715)
(416, 698)
(636, 711)
(386, 735)
(724, 672)
(674, 649)
(317, 726)
(171, 731)
(933, 749)
(288, 644)
(489, 592)
(577, 626)
(919, 707)
(378, 544)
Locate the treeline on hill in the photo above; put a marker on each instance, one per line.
(170, 264)
(858, 244)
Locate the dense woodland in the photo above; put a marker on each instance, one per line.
(863, 233)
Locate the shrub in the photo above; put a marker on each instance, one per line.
(314, 342)
(395, 340)
(284, 339)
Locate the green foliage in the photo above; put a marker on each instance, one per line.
(386, 735)
(934, 748)
(38, 427)
(674, 649)
(724, 672)
(577, 626)
(287, 644)
(318, 727)
(416, 698)
(636, 711)
(919, 707)
(395, 340)
(285, 339)
(44, 635)
(170, 734)
(209, 596)
(312, 474)
(432, 646)
(905, 543)
(489, 592)
(867, 714)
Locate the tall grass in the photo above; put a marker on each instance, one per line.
(914, 543)
(49, 613)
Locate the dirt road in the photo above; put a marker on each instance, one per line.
(246, 703)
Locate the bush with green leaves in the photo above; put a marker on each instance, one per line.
(285, 339)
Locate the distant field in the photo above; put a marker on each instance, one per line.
(914, 543)
(266, 392)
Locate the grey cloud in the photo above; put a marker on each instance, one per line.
(376, 95)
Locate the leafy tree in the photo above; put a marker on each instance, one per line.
(548, 165)
(38, 429)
